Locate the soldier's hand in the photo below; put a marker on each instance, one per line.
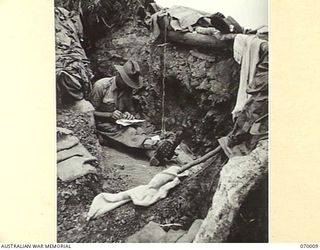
(117, 114)
(128, 116)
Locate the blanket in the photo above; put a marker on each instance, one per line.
(144, 195)
(73, 159)
(73, 73)
(179, 18)
(246, 52)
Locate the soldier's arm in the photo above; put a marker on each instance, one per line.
(115, 115)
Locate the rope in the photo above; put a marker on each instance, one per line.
(163, 124)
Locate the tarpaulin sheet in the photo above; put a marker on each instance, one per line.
(72, 65)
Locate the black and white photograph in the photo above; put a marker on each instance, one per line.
(162, 129)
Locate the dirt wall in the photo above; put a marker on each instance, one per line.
(201, 85)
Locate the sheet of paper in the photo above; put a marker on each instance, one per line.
(125, 122)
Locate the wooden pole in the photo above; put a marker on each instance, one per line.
(196, 39)
(201, 159)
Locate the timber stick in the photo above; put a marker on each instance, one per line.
(196, 39)
(201, 159)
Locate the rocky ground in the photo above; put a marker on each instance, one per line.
(119, 171)
(200, 91)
